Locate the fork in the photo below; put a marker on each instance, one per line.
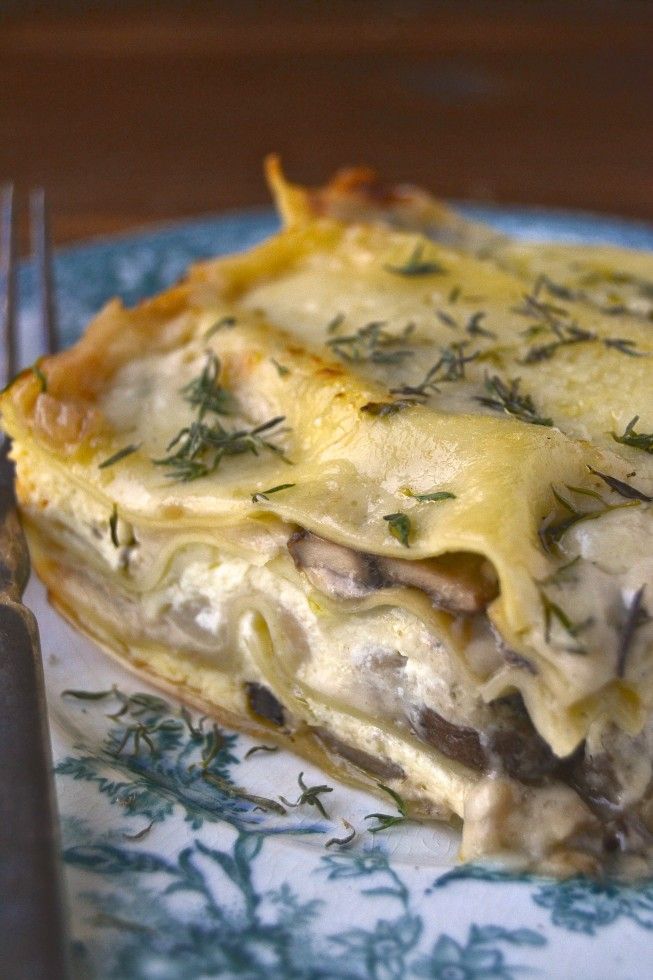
(33, 942)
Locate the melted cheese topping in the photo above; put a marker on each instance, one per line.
(516, 418)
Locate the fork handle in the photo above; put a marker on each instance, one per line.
(32, 926)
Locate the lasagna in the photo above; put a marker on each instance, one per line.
(380, 489)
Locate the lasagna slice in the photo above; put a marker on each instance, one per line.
(354, 491)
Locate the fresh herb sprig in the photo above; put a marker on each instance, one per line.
(622, 488)
(214, 742)
(113, 527)
(373, 343)
(310, 795)
(449, 367)
(255, 749)
(636, 616)
(475, 329)
(201, 446)
(386, 820)
(638, 440)
(206, 393)
(141, 833)
(553, 613)
(345, 841)
(399, 527)
(264, 494)
(416, 265)
(506, 397)
(238, 793)
(225, 322)
(556, 320)
(118, 456)
(434, 496)
(551, 531)
(281, 369)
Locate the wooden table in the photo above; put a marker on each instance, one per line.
(139, 112)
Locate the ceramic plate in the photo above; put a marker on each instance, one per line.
(172, 876)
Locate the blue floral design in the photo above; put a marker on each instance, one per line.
(583, 905)
(157, 916)
(479, 959)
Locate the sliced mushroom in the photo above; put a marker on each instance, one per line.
(381, 768)
(263, 703)
(457, 742)
(459, 582)
(332, 568)
(509, 746)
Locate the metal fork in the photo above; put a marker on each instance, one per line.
(33, 941)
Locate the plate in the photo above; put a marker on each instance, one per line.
(175, 876)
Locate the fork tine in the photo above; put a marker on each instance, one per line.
(43, 270)
(8, 269)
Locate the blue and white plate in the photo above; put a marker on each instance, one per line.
(174, 877)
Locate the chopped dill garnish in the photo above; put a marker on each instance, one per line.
(195, 731)
(40, 377)
(201, 447)
(141, 833)
(263, 494)
(450, 367)
(335, 323)
(552, 533)
(260, 748)
(223, 322)
(623, 489)
(447, 319)
(636, 616)
(121, 454)
(205, 392)
(615, 278)
(385, 820)
(282, 370)
(399, 527)
(474, 328)
(416, 265)
(237, 793)
(638, 440)
(381, 409)
(624, 347)
(88, 695)
(566, 334)
(434, 496)
(310, 795)
(553, 612)
(214, 741)
(550, 318)
(113, 527)
(507, 398)
(556, 289)
(139, 733)
(540, 311)
(372, 342)
(343, 841)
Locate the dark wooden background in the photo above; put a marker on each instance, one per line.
(136, 112)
